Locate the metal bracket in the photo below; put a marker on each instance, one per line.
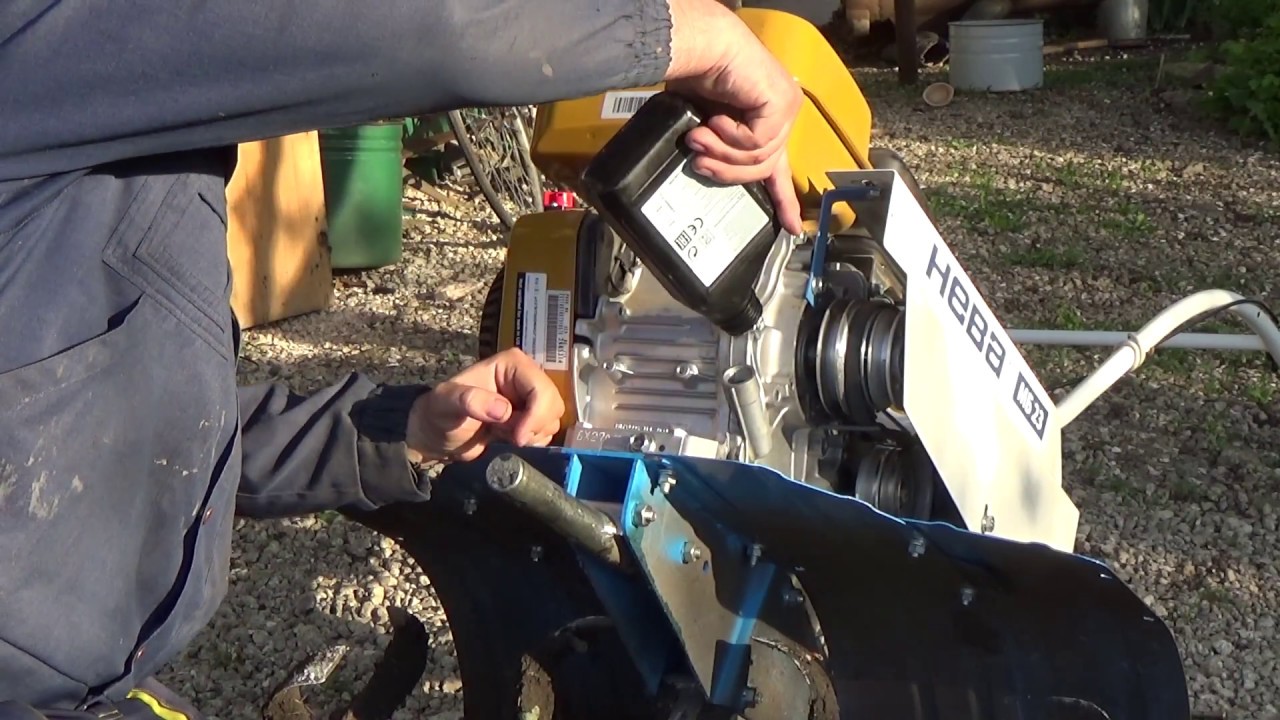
(859, 193)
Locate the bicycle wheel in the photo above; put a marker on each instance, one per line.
(495, 144)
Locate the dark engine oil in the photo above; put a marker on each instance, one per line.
(705, 242)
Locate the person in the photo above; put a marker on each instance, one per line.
(126, 447)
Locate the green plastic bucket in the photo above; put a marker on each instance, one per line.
(362, 171)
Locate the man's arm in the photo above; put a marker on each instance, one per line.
(340, 447)
(350, 444)
(87, 83)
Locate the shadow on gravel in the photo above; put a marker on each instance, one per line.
(276, 617)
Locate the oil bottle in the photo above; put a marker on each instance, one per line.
(704, 241)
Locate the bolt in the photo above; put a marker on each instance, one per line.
(666, 481)
(792, 597)
(469, 505)
(753, 553)
(639, 442)
(966, 596)
(645, 515)
(751, 697)
(691, 553)
(818, 285)
(916, 548)
(686, 370)
(535, 553)
(988, 520)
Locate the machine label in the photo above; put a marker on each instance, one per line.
(543, 321)
(1030, 405)
(973, 321)
(986, 337)
(708, 224)
(622, 104)
(559, 325)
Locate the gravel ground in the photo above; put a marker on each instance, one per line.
(1093, 203)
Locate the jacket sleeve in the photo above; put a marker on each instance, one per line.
(341, 447)
(87, 83)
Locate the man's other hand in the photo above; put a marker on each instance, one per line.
(507, 397)
(716, 57)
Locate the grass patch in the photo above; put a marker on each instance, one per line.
(981, 203)
(1186, 490)
(1214, 595)
(1261, 391)
(1049, 258)
(1128, 222)
(1069, 318)
(1110, 72)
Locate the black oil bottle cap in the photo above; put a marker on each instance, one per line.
(704, 241)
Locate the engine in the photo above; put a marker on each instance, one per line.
(813, 390)
(680, 319)
(804, 391)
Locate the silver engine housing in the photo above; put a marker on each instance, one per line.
(812, 391)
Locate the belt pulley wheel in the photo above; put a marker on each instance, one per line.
(859, 359)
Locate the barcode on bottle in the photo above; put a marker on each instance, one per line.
(621, 104)
(559, 319)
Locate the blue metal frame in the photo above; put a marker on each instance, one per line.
(882, 587)
(829, 200)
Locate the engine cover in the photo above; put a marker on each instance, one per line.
(838, 385)
(813, 391)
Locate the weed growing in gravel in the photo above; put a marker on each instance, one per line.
(1065, 257)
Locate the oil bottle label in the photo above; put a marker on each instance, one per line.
(708, 224)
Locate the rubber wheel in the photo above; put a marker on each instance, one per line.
(490, 318)
(529, 632)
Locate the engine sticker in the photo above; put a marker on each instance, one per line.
(559, 324)
(708, 224)
(622, 104)
(543, 321)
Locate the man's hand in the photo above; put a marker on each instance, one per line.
(506, 396)
(715, 57)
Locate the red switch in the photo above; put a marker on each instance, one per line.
(558, 200)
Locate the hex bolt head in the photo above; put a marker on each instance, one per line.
(691, 553)
(645, 515)
(916, 548)
(469, 505)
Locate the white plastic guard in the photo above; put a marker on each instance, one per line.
(980, 411)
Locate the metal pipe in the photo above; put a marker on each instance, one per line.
(524, 486)
(742, 385)
(1104, 338)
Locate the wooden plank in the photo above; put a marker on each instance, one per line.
(276, 231)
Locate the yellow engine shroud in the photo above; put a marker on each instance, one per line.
(831, 132)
